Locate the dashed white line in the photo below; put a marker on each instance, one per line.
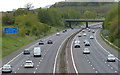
(37, 65)
(34, 72)
(93, 68)
(36, 68)
(89, 62)
(96, 71)
(111, 67)
(15, 72)
(108, 65)
(115, 71)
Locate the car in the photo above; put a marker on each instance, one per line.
(29, 64)
(93, 31)
(77, 41)
(83, 30)
(91, 37)
(57, 34)
(86, 51)
(79, 35)
(26, 51)
(64, 31)
(87, 43)
(50, 42)
(41, 42)
(84, 34)
(111, 58)
(76, 45)
(89, 30)
(6, 68)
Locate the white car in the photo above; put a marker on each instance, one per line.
(6, 69)
(89, 30)
(79, 35)
(29, 64)
(91, 37)
(57, 34)
(77, 41)
(84, 34)
(111, 58)
(83, 30)
(86, 51)
(76, 45)
(87, 43)
(93, 31)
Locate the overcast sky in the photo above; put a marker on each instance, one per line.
(8, 5)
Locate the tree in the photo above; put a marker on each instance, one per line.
(8, 19)
(29, 6)
(90, 15)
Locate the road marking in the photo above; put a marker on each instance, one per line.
(39, 62)
(37, 65)
(93, 68)
(89, 62)
(96, 71)
(105, 62)
(102, 46)
(108, 65)
(115, 71)
(73, 58)
(15, 72)
(18, 68)
(111, 67)
(21, 65)
(34, 72)
(57, 55)
(36, 68)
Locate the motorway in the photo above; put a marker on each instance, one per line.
(96, 61)
(44, 64)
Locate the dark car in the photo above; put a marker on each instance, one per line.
(41, 42)
(49, 42)
(26, 51)
(64, 31)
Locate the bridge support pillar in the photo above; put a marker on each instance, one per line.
(70, 24)
(86, 24)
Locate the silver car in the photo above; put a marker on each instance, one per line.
(86, 51)
(6, 69)
(111, 58)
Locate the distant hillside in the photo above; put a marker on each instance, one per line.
(99, 7)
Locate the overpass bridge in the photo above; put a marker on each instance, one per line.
(70, 21)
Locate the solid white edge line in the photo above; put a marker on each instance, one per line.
(101, 45)
(73, 57)
(57, 55)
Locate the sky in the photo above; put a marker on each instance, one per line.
(9, 5)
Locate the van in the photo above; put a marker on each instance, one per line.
(37, 51)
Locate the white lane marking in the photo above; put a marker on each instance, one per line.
(21, 65)
(108, 65)
(39, 62)
(93, 68)
(18, 68)
(91, 65)
(115, 71)
(105, 62)
(15, 72)
(96, 71)
(36, 68)
(73, 57)
(102, 46)
(34, 72)
(57, 55)
(89, 62)
(111, 67)
(37, 65)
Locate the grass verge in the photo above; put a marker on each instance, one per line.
(108, 43)
(11, 44)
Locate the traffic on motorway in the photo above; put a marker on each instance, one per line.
(86, 53)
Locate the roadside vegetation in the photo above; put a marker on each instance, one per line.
(111, 26)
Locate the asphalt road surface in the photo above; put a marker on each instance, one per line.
(96, 61)
(44, 64)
